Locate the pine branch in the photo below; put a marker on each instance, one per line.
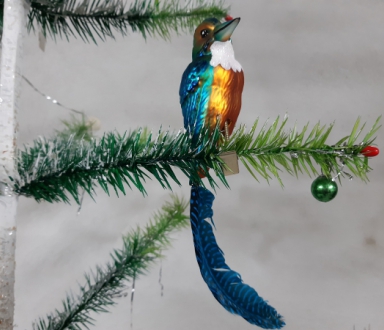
(52, 170)
(77, 128)
(295, 151)
(101, 19)
(106, 284)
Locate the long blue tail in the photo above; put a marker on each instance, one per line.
(225, 284)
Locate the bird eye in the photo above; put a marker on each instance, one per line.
(204, 33)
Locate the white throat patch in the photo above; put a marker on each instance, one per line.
(223, 54)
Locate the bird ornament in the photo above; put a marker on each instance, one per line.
(210, 95)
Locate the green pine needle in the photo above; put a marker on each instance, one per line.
(102, 19)
(104, 285)
(77, 128)
(54, 170)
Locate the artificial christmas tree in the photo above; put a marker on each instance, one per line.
(138, 117)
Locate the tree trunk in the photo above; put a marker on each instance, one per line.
(11, 48)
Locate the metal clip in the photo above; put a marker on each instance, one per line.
(231, 163)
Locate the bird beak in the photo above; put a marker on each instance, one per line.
(224, 30)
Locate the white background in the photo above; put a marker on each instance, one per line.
(321, 265)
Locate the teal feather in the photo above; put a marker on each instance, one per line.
(225, 284)
(195, 91)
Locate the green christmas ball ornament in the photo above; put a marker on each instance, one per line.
(324, 189)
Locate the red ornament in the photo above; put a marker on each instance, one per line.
(228, 18)
(370, 151)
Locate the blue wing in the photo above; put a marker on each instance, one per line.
(195, 90)
(225, 284)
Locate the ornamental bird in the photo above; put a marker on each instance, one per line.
(212, 84)
(210, 91)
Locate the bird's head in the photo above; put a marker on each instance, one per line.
(209, 31)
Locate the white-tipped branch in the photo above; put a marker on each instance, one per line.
(52, 170)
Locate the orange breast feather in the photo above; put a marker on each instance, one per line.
(225, 100)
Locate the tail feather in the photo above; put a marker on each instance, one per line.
(225, 284)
